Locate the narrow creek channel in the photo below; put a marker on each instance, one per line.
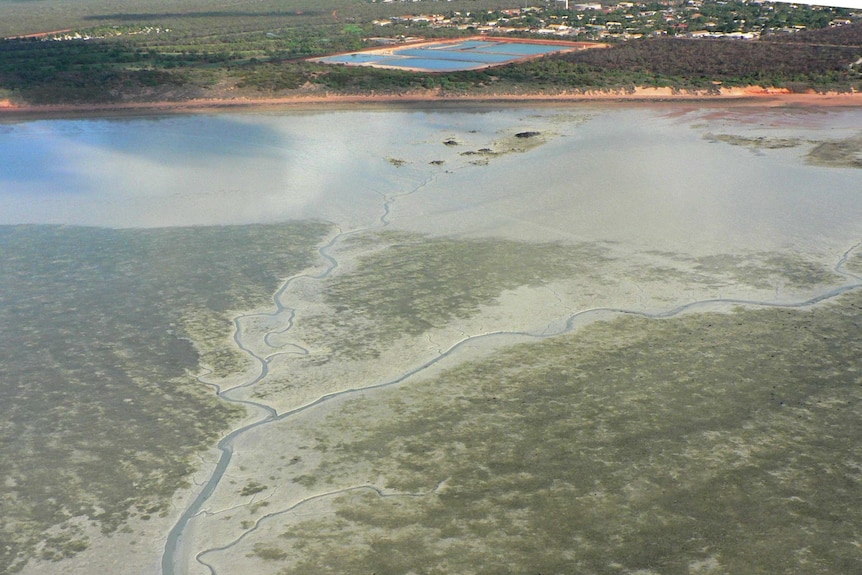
(174, 557)
(172, 553)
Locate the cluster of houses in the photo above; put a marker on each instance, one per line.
(595, 21)
(101, 33)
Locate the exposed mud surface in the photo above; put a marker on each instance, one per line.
(754, 142)
(845, 153)
(611, 346)
(409, 284)
(705, 443)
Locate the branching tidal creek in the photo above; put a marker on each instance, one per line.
(175, 552)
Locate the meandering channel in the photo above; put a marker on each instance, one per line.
(173, 555)
(268, 414)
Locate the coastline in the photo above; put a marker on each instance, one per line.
(750, 96)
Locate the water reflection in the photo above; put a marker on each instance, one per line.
(642, 175)
(176, 171)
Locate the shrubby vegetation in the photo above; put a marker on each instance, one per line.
(686, 63)
(205, 51)
(841, 35)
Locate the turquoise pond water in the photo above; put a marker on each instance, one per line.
(433, 65)
(449, 57)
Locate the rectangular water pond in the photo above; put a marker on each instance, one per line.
(469, 54)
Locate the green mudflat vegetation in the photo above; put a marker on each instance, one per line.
(757, 142)
(846, 153)
(706, 443)
(409, 284)
(761, 270)
(843, 153)
(98, 52)
(406, 285)
(100, 409)
(104, 331)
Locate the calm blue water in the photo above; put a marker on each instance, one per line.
(518, 49)
(469, 45)
(457, 55)
(434, 65)
(356, 58)
(445, 57)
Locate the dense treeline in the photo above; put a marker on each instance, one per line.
(699, 63)
(78, 71)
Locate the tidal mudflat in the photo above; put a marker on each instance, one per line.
(575, 339)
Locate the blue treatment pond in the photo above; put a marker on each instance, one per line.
(450, 56)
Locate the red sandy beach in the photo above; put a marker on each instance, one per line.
(752, 96)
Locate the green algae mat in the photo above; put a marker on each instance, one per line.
(101, 411)
(706, 443)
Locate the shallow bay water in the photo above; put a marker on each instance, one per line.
(639, 175)
(440, 238)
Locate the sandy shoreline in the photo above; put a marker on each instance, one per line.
(751, 96)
